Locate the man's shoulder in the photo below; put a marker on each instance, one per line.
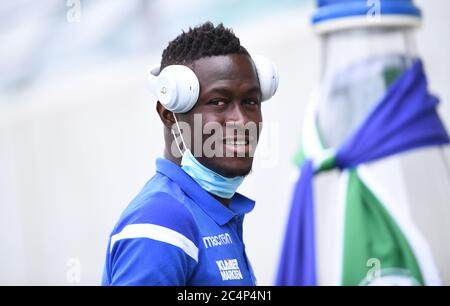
(163, 208)
(156, 231)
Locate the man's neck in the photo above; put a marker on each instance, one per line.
(169, 156)
(223, 201)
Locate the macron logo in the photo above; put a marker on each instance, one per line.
(217, 240)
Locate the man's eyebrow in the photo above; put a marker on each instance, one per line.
(227, 90)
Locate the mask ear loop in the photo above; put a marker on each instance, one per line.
(181, 135)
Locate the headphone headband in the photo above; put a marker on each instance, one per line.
(177, 87)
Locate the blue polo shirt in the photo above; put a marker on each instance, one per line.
(176, 233)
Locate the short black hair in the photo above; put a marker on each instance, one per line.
(202, 41)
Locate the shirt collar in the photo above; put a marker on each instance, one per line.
(239, 204)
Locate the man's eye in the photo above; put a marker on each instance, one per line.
(216, 102)
(252, 102)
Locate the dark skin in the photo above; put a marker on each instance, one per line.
(229, 93)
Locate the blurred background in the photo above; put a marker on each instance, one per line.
(79, 135)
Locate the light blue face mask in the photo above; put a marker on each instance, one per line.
(209, 180)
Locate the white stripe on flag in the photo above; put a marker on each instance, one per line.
(159, 233)
(339, 233)
(402, 217)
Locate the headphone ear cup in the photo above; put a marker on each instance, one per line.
(153, 73)
(177, 88)
(267, 75)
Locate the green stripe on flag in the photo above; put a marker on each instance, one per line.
(372, 236)
(299, 157)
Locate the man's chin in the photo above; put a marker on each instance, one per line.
(236, 172)
(231, 166)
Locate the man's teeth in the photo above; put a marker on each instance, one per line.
(236, 142)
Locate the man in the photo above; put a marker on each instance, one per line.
(185, 226)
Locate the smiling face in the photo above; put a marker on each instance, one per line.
(230, 96)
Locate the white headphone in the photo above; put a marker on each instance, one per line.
(177, 87)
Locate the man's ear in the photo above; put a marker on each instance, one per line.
(166, 116)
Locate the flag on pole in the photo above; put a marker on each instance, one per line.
(374, 229)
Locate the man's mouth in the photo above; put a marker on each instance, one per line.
(236, 141)
(240, 146)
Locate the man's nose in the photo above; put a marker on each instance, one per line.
(237, 114)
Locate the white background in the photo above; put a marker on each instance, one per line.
(75, 150)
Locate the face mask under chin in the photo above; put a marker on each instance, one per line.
(209, 180)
